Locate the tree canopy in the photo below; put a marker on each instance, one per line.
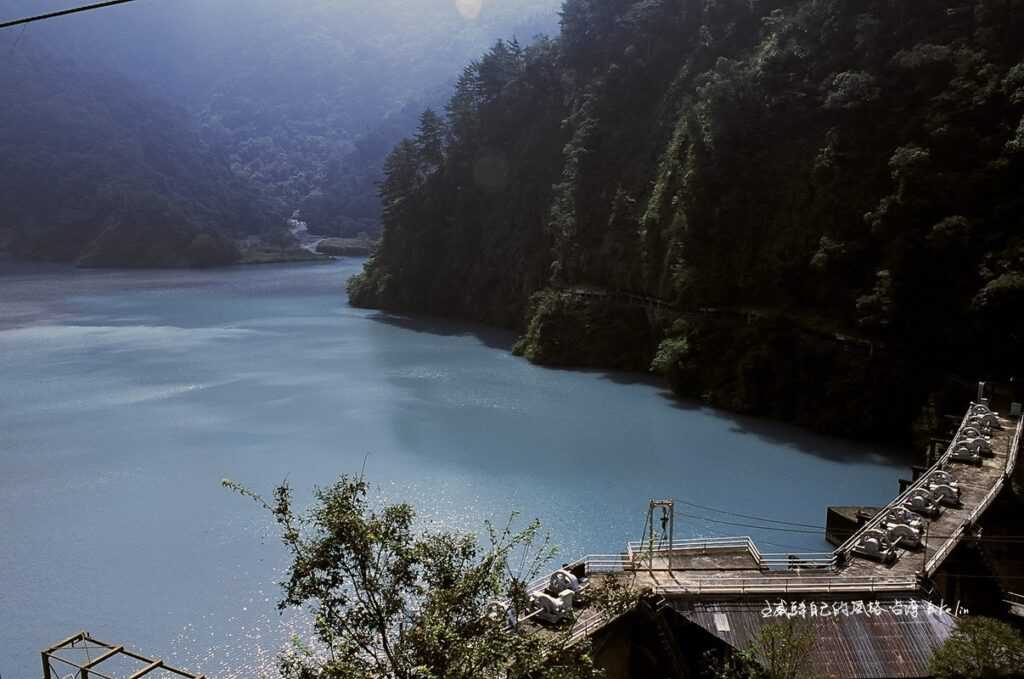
(391, 600)
(979, 648)
(780, 650)
(811, 190)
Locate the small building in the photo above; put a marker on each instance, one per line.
(852, 639)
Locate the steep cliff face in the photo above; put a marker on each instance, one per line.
(819, 201)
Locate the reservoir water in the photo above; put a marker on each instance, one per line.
(125, 398)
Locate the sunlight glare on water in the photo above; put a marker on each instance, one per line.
(126, 396)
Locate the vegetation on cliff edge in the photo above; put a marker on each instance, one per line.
(824, 196)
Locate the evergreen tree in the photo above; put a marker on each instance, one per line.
(800, 177)
(401, 177)
(429, 140)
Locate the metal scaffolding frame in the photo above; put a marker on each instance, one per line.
(92, 669)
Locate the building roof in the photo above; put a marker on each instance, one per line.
(889, 637)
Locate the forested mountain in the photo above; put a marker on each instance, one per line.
(98, 171)
(819, 201)
(305, 97)
(345, 200)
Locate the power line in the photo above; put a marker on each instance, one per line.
(754, 518)
(796, 548)
(63, 12)
(996, 539)
(747, 525)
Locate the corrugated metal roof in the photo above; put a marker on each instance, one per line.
(871, 639)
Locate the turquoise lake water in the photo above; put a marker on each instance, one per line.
(125, 398)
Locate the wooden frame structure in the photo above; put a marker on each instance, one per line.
(92, 669)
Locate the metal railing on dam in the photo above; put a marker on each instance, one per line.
(734, 566)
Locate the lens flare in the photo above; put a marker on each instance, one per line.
(469, 9)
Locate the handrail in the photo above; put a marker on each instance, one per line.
(763, 560)
(873, 522)
(780, 583)
(986, 501)
(1011, 458)
(602, 563)
(754, 550)
(799, 562)
(592, 624)
(692, 543)
(943, 551)
(990, 496)
(641, 548)
(805, 584)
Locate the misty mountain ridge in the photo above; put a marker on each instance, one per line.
(298, 102)
(99, 171)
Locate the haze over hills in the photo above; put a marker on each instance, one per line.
(98, 170)
(823, 199)
(300, 100)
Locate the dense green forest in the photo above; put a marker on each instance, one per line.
(815, 206)
(97, 171)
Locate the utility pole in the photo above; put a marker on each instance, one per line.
(668, 525)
